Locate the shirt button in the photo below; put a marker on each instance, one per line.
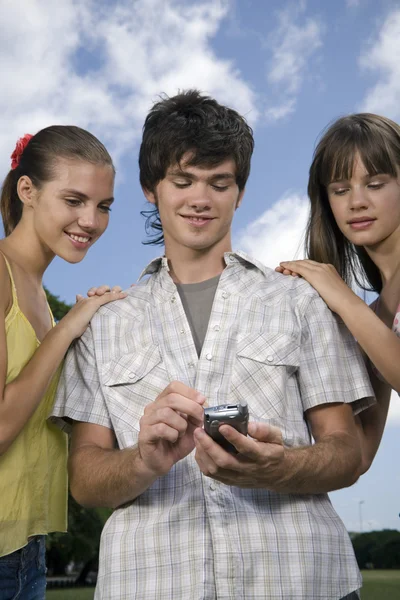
(212, 487)
(173, 299)
(217, 327)
(131, 375)
(232, 258)
(182, 331)
(209, 356)
(225, 295)
(191, 365)
(270, 358)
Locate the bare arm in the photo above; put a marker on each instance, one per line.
(333, 462)
(103, 476)
(371, 422)
(100, 475)
(28, 388)
(378, 341)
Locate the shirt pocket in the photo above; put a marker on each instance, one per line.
(132, 381)
(265, 375)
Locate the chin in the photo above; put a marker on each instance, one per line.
(366, 241)
(72, 258)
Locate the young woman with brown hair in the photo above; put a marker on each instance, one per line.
(55, 202)
(353, 236)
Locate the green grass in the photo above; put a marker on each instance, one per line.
(378, 585)
(381, 585)
(70, 594)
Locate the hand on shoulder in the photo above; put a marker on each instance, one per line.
(324, 279)
(80, 315)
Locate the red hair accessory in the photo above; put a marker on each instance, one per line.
(19, 148)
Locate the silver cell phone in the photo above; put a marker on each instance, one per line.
(235, 415)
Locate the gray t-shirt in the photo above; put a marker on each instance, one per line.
(197, 300)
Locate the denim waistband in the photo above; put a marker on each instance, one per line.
(28, 552)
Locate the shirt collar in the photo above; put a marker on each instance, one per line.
(154, 266)
(161, 262)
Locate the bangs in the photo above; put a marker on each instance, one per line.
(337, 160)
(205, 160)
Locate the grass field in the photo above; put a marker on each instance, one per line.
(381, 585)
(70, 594)
(378, 585)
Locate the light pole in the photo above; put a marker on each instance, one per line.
(360, 503)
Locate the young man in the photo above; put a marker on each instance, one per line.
(210, 326)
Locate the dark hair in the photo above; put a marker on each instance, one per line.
(377, 140)
(38, 162)
(190, 123)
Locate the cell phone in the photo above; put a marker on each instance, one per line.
(235, 415)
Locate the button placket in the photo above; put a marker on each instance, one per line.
(185, 370)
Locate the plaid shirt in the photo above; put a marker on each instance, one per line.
(270, 340)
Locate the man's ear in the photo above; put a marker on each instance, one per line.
(150, 196)
(240, 198)
(26, 190)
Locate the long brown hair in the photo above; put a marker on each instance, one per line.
(377, 140)
(38, 162)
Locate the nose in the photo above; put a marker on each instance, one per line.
(199, 198)
(88, 218)
(358, 198)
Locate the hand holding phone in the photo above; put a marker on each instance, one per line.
(235, 415)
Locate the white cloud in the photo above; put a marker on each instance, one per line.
(383, 58)
(293, 44)
(275, 113)
(352, 3)
(102, 65)
(278, 234)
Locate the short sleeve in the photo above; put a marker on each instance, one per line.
(79, 395)
(331, 365)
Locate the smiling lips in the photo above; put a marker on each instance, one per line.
(197, 221)
(361, 222)
(79, 241)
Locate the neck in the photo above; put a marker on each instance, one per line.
(192, 266)
(25, 249)
(386, 256)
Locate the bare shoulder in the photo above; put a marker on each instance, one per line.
(5, 287)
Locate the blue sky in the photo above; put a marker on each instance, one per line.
(290, 67)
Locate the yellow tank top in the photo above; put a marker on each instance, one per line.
(33, 471)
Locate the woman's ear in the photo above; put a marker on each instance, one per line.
(26, 190)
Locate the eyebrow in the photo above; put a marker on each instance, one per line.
(83, 196)
(189, 175)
